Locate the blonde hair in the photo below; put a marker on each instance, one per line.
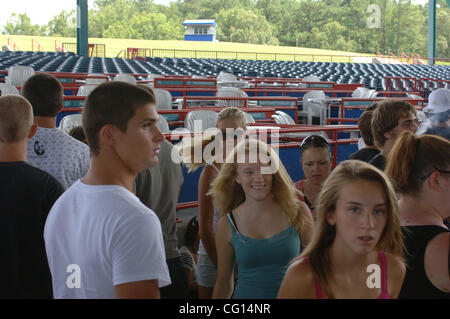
(187, 151)
(228, 194)
(391, 240)
(16, 118)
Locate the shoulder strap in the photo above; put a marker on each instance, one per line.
(318, 290)
(212, 164)
(232, 221)
(384, 272)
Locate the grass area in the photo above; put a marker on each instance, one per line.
(194, 49)
(219, 50)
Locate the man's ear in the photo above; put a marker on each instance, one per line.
(388, 135)
(107, 135)
(33, 130)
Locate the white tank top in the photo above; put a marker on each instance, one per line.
(201, 248)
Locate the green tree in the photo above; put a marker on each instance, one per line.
(63, 25)
(244, 26)
(20, 24)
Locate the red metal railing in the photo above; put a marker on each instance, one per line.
(36, 45)
(12, 44)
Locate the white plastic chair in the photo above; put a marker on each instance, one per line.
(162, 124)
(124, 77)
(225, 79)
(311, 78)
(364, 93)
(249, 119)
(95, 81)
(230, 92)
(287, 118)
(163, 99)
(70, 121)
(18, 74)
(314, 108)
(281, 117)
(6, 89)
(199, 121)
(84, 90)
(413, 96)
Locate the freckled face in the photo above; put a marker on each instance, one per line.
(360, 215)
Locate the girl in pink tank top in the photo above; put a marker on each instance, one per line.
(358, 234)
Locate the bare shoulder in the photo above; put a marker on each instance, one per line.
(298, 282)
(208, 173)
(395, 265)
(396, 270)
(223, 230)
(436, 261)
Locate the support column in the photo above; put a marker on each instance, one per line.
(431, 31)
(82, 28)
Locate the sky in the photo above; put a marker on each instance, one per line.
(42, 11)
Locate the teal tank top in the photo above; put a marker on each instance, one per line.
(262, 263)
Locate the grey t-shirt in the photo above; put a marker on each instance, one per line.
(58, 154)
(157, 188)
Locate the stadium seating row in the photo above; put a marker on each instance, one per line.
(369, 74)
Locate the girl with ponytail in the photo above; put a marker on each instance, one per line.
(419, 168)
(218, 142)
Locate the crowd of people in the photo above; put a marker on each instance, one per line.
(95, 216)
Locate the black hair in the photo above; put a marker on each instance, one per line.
(191, 235)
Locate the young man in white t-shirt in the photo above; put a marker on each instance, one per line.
(101, 241)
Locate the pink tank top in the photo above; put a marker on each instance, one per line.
(384, 280)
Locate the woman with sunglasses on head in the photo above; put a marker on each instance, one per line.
(419, 168)
(263, 225)
(316, 165)
(233, 119)
(357, 230)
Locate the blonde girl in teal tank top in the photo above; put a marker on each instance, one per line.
(262, 226)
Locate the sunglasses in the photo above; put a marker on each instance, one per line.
(315, 140)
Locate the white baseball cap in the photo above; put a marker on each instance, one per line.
(438, 101)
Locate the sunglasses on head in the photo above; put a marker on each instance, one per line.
(315, 140)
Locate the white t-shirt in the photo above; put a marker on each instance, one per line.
(59, 154)
(100, 236)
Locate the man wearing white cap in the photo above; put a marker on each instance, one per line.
(438, 111)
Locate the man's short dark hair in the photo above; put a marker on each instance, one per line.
(386, 116)
(113, 103)
(45, 93)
